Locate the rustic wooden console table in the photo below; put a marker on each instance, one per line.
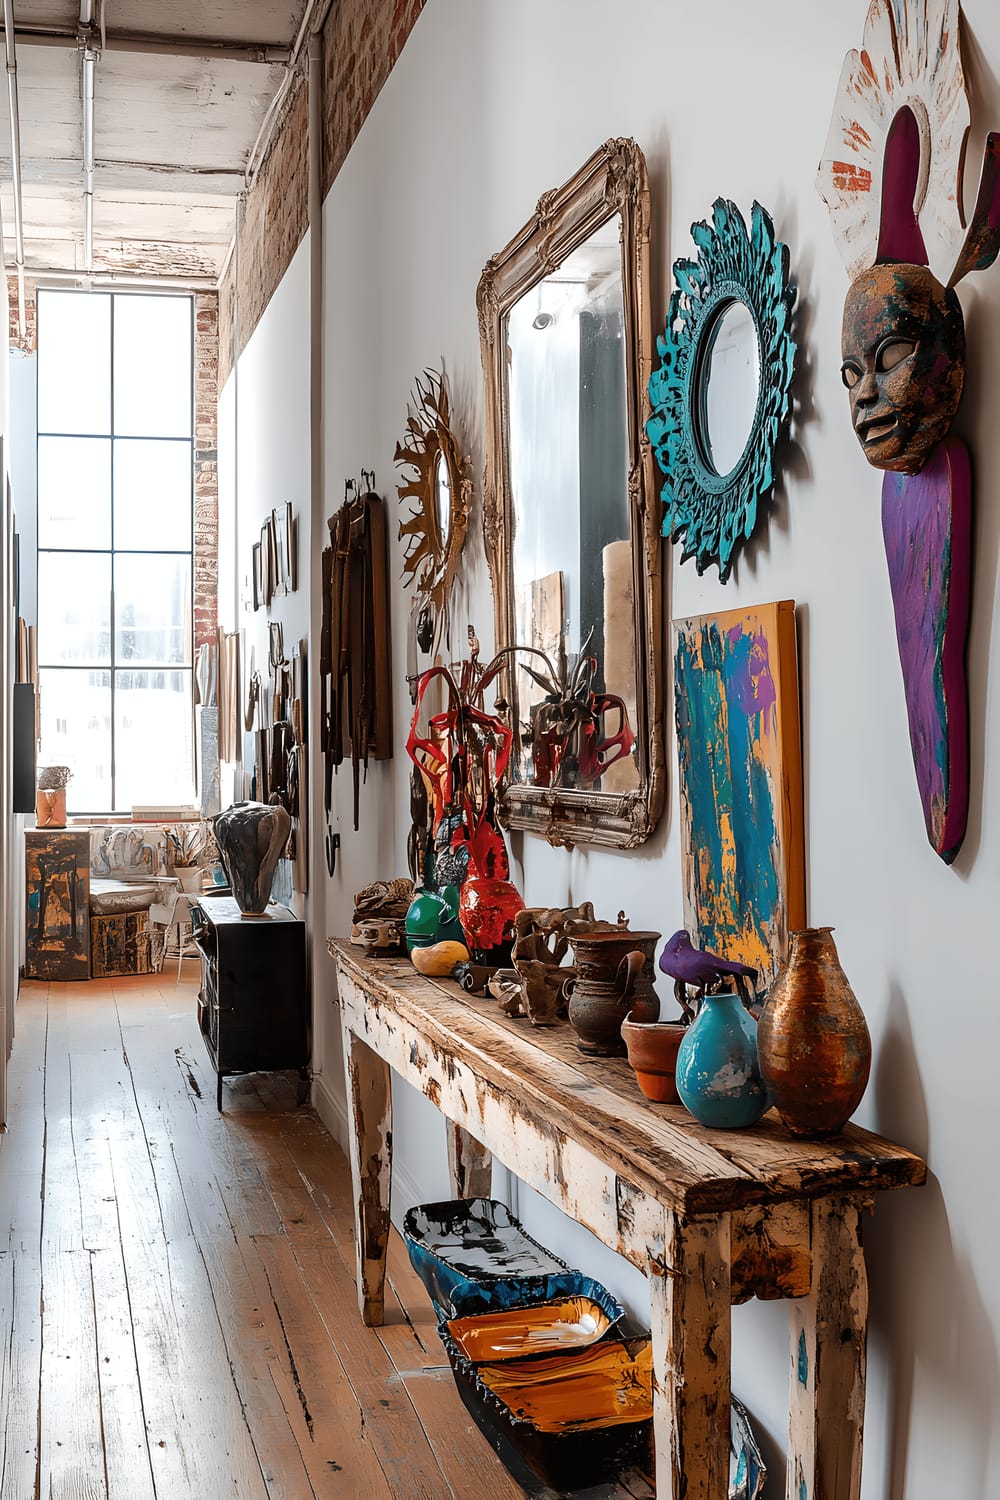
(712, 1217)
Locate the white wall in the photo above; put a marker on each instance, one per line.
(264, 462)
(488, 106)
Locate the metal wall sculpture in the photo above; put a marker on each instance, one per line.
(436, 478)
(891, 175)
(722, 391)
(462, 755)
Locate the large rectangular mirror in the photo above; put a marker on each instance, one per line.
(572, 533)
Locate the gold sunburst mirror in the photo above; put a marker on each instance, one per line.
(436, 482)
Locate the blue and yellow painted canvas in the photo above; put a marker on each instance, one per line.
(740, 775)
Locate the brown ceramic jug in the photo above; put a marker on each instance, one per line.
(614, 975)
(812, 1039)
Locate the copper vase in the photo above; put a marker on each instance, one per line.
(812, 1039)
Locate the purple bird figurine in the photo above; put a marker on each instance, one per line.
(687, 965)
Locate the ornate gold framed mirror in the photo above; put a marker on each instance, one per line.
(572, 534)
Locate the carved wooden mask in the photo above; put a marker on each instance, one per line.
(904, 363)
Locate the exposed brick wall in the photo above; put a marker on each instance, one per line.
(206, 479)
(273, 222)
(361, 41)
(28, 344)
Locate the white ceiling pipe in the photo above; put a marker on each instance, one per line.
(259, 147)
(204, 283)
(315, 19)
(15, 161)
(270, 115)
(89, 60)
(264, 134)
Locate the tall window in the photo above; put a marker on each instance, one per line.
(114, 546)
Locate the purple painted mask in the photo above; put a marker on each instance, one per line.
(904, 363)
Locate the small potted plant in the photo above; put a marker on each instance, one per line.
(190, 849)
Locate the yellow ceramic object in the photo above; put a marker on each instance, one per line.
(439, 959)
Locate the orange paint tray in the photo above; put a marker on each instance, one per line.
(545, 1328)
(573, 1419)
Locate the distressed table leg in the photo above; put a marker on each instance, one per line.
(470, 1165)
(689, 1277)
(828, 1361)
(370, 1138)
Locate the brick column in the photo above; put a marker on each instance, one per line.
(206, 485)
(28, 344)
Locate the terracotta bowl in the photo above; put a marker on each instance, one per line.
(652, 1051)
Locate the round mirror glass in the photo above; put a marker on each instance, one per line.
(730, 384)
(442, 492)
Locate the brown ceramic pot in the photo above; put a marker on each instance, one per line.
(614, 975)
(812, 1039)
(652, 1051)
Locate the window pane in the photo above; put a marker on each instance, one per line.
(74, 608)
(152, 609)
(74, 492)
(74, 362)
(152, 494)
(154, 758)
(153, 366)
(76, 732)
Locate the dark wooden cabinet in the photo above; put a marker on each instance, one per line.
(253, 1005)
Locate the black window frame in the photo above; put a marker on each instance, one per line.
(112, 667)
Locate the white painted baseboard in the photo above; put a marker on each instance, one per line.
(406, 1190)
(332, 1110)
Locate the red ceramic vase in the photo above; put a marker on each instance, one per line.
(486, 909)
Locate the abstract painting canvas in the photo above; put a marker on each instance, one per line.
(739, 751)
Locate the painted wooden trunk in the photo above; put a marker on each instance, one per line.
(57, 884)
(120, 944)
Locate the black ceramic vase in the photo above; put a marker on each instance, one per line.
(251, 836)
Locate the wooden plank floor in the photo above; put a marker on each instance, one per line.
(177, 1307)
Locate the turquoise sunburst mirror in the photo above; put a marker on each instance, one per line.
(722, 391)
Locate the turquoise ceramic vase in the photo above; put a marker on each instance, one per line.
(718, 1072)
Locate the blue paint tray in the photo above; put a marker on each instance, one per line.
(473, 1240)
